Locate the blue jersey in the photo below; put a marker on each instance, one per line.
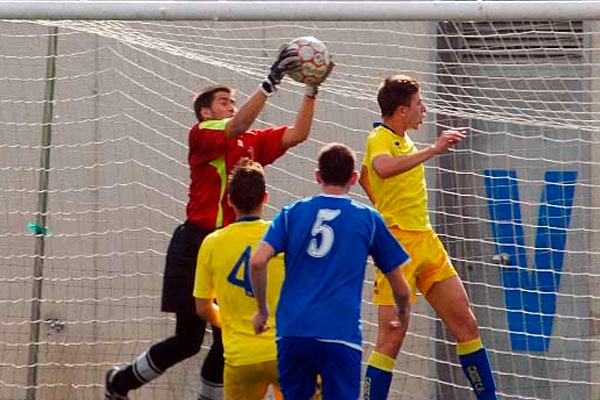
(326, 240)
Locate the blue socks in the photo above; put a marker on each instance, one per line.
(476, 366)
(473, 358)
(378, 376)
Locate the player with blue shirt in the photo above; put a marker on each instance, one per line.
(326, 240)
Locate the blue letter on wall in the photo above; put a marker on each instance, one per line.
(530, 297)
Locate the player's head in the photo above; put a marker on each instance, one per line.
(400, 99)
(215, 102)
(247, 188)
(336, 166)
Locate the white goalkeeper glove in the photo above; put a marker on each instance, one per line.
(312, 89)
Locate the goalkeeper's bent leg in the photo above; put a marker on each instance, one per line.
(211, 376)
(477, 368)
(155, 361)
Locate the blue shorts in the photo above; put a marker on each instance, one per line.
(301, 359)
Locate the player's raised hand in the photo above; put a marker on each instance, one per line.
(259, 321)
(287, 60)
(449, 138)
(312, 88)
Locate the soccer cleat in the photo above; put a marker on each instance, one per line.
(109, 393)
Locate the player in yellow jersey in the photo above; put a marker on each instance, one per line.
(222, 274)
(393, 176)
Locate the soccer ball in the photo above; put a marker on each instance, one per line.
(314, 59)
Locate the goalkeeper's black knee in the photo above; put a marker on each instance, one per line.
(212, 369)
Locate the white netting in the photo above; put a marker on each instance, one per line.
(522, 185)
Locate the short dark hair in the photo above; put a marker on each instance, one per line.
(396, 91)
(336, 164)
(205, 98)
(247, 185)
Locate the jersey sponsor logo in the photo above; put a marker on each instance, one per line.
(530, 293)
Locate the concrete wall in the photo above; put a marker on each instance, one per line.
(118, 188)
(118, 184)
(551, 96)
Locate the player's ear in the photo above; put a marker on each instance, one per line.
(229, 201)
(400, 111)
(206, 113)
(318, 177)
(266, 198)
(353, 178)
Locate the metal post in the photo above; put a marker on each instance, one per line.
(224, 10)
(40, 221)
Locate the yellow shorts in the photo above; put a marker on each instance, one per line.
(429, 264)
(251, 382)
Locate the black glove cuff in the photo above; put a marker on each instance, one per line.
(267, 87)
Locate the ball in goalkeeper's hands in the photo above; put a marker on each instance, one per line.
(314, 60)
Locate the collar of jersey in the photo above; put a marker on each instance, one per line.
(214, 124)
(335, 196)
(379, 124)
(248, 218)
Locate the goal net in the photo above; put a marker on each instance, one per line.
(516, 204)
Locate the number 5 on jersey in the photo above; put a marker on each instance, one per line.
(326, 232)
(244, 283)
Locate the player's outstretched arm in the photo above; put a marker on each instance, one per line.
(287, 60)
(208, 311)
(246, 115)
(387, 166)
(258, 279)
(298, 133)
(401, 292)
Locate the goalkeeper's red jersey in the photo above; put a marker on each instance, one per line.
(212, 158)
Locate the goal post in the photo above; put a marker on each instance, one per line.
(39, 228)
(516, 204)
(302, 10)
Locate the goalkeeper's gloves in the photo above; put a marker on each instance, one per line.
(312, 88)
(288, 60)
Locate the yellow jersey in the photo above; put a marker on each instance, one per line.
(222, 272)
(401, 199)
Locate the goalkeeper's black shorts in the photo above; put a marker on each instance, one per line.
(180, 269)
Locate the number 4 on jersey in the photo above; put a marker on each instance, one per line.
(244, 261)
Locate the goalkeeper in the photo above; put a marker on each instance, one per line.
(216, 143)
(393, 176)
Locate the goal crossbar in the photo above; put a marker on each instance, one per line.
(301, 10)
